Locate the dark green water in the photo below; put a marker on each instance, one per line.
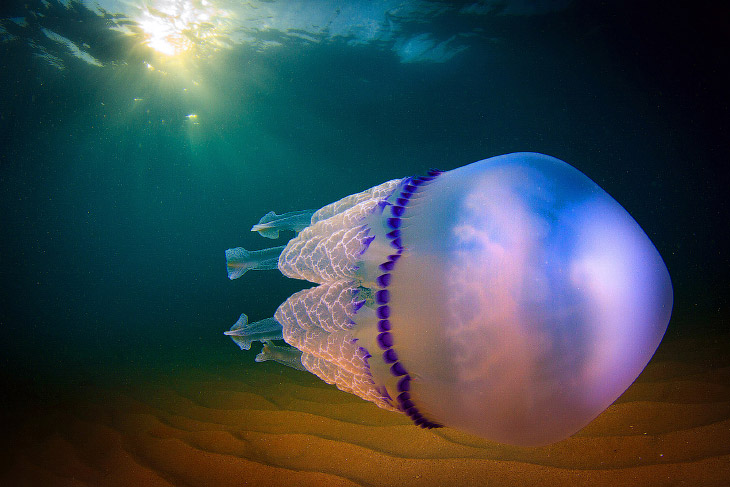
(117, 207)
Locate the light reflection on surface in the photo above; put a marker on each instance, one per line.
(172, 27)
(162, 47)
(415, 31)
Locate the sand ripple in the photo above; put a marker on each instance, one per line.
(262, 427)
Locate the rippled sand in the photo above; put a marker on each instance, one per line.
(267, 425)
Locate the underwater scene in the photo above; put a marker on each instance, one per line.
(364, 243)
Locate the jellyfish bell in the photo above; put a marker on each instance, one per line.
(511, 298)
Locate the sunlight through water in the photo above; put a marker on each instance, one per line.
(182, 30)
(173, 27)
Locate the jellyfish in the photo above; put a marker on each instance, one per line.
(511, 298)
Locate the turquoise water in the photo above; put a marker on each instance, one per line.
(127, 172)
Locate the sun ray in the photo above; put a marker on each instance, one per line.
(174, 27)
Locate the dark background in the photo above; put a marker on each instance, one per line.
(115, 214)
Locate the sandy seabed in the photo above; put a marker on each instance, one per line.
(267, 425)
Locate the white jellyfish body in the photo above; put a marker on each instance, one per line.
(511, 298)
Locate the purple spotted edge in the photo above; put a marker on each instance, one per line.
(382, 298)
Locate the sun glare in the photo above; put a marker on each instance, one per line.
(174, 27)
